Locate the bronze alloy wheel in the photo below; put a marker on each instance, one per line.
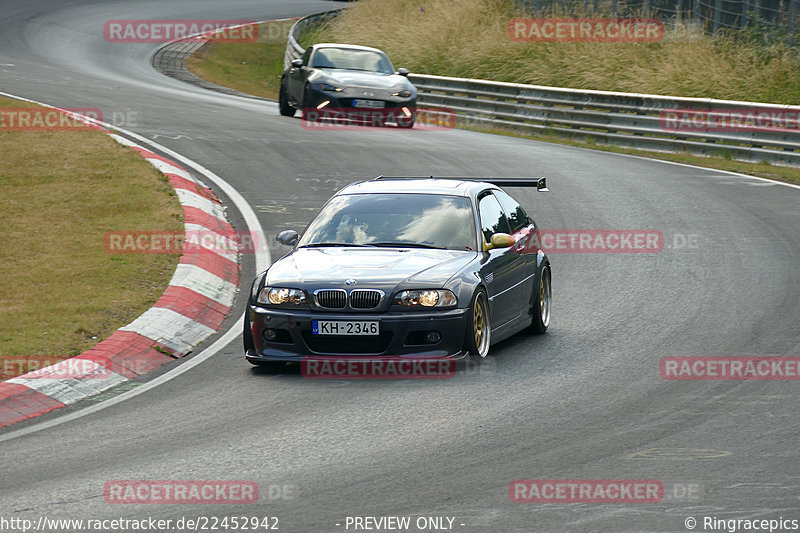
(545, 297)
(542, 302)
(480, 331)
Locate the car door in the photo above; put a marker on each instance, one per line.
(296, 80)
(503, 267)
(523, 229)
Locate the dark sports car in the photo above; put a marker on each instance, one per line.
(359, 82)
(430, 267)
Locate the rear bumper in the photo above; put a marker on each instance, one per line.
(401, 335)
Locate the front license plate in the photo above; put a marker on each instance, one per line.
(372, 104)
(345, 327)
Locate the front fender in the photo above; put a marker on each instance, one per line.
(465, 283)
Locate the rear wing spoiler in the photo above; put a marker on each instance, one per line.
(539, 183)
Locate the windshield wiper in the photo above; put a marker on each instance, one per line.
(407, 245)
(324, 244)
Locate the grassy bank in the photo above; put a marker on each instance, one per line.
(472, 41)
(60, 193)
(256, 67)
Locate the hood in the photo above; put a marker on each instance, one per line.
(372, 268)
(367, 80)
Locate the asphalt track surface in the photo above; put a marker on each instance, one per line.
(585, 401)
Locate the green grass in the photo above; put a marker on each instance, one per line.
(60, 192)
(472, 41)
(256, 67)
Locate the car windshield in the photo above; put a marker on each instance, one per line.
(352, 59)
(394, 220)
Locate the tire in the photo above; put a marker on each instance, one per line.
(542, 301)
(479, 329)
(406, 122)
(283, 103)
(304, 107)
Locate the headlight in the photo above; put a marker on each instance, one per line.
(256, 285)
(279, 296)
(426, 298)
(402, 94)
(328, 87)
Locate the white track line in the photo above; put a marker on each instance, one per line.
(262, 259)
(728, 172)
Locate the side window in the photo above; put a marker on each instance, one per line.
(306, 55)
(493, 220)
(321, 59)
(517, 217)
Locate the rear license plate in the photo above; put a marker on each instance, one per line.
(345, 327)
(372, 104)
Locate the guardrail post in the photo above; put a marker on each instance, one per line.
(717, 15)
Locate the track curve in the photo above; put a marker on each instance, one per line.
(584, 401)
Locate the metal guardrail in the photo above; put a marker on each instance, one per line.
(293, 48)
(624, 119)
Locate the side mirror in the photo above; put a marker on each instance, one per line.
(403, 71)
(297, 63)
(288, 237)
(500, 240)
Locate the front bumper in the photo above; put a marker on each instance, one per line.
(343, 103)
(401, 335)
